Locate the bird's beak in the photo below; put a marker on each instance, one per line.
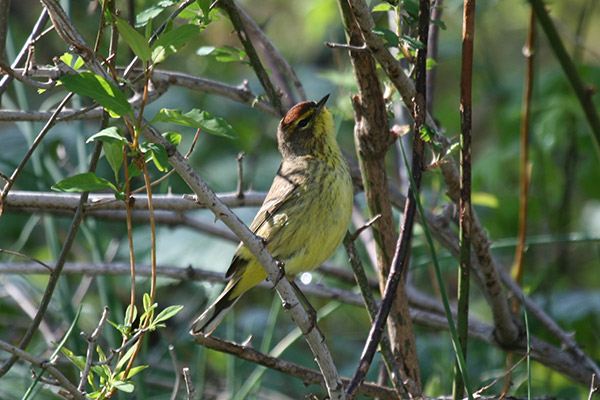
(321, 103)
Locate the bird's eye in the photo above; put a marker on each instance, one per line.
(303, 123)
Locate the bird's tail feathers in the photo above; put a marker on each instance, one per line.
(206, 323)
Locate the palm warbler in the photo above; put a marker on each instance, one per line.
(306, 213)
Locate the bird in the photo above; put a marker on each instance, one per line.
(305, 214)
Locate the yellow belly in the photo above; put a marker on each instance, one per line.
(306, 234)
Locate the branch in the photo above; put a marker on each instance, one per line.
(584, 95)
(460, 381)
(372, 139)
(40, 363)
(281, 62)
(308, 376)
(425, 310)
(233, 12)
(37, 30)
(162, 80)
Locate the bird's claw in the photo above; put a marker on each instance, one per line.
(281, 274)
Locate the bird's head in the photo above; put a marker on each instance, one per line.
(306, 129)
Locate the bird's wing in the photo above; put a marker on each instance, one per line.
(282, 191)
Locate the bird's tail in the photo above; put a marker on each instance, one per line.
(207, 322)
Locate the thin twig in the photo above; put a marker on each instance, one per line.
(6, 69)
(89, 358)
(16, 253)
(508, 372)
(177, 372)
(189, 386)
(240, 182)
(346, 46)
(593, 387)
(38, 27)
(392, 366)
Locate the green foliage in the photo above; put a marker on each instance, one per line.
(99, 89)
(196, 119)
(104, 378)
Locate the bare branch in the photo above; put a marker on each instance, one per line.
(305, 374)
(64, 382)
(89, 358)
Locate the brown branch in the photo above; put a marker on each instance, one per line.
(44, 364)
(89, 358)
(308, 376)
(432, 50)
(465, 210)
(391, 278)
(37, 29)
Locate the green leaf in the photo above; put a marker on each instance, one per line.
(135, 40)
(68, 59)
(79, 361)
(382, 7)
(101, 372)
(114, 155)
(173, 138)
(152, 12)
(85, 182)
(99, 89)
(439, 23)
(101, 355)
(167, 313)
(136, 370)
(205, 50)
(222, 54)
(204, 6)
(132, 372)
(125, 358)
(412, 42)
(411, 7)
(111, 134)
(214, 125)
(426, 133)
(127, 387)
(196, 119)
(391, 39)
(170, 42)
(130, 319)
(430, 63)
(156, 153)
(146, 301)
(95, 395)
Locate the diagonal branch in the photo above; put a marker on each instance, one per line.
(232, 10)
(584, 95)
